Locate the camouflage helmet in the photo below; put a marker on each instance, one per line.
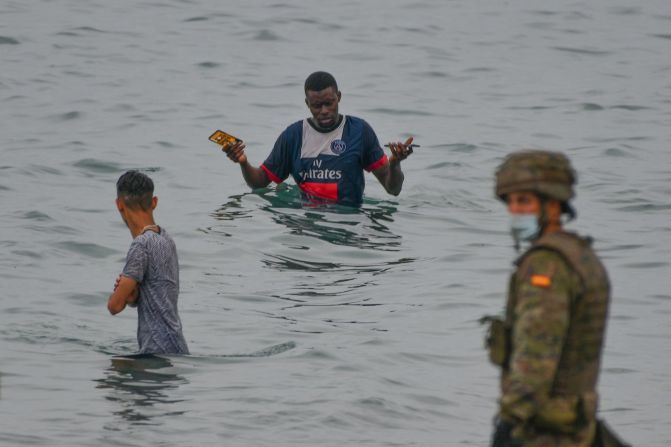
(546, 173)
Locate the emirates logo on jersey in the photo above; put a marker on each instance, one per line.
(338, 146)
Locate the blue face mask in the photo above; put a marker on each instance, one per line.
(524, 228)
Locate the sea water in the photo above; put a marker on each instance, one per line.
(317, 326)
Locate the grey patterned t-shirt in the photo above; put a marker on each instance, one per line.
(152, 262)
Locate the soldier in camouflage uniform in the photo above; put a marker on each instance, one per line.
(549, 344)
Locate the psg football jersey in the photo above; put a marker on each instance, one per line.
(326, 165)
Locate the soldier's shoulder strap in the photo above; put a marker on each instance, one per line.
(577, 252)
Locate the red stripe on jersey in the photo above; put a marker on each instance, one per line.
(322, 190)
(378, 164)
(271, 176)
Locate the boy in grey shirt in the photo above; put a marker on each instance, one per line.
(150, 278)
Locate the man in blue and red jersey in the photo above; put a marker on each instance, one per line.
(327, 153)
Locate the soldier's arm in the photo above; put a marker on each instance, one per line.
(544, 287)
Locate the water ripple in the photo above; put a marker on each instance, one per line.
(87, 249)
(585, 51)
(616, 152)
(645, 207)
(18, 439)
(389, 111)
(68, 116)
(590, 106)
(197, 19)
(28, 253)
(367, 297)
(98, 166)
(267, 35)
(630, 107)
(645, 265)
(208, 64)
(4, 40)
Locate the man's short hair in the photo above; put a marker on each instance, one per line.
(135, 189)
(319, 80)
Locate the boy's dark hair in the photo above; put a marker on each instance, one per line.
(319, 80)
(135, 189)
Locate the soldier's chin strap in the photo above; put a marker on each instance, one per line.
(543, 220)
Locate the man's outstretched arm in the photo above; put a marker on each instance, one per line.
(254, 177)
(390, 174)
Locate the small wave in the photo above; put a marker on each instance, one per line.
(208, 64)
(632, 108)
(286, 263)
(89, 29)
(4, 40)
(619, 370)
(149, 169)
(662, 36)
(616, 152)
(274, 350)
(626, 11)
(617, 139)
(68, 116)
(88, 300)
(445, 164)
(543, 12)
(480, 70)
(232, 210)
(37, 215)
(54, 229)
(435, 74)
(28, 254)
(590, 106)
(584, 51)
(166, 144)
(18, 439)
(87, 249)
(67, 34)
(645, 207)
(265, 352)
(646, 265)
(622, 247)
(266, 35)
(14, 98)
(37, 169)
(388, 111)
(99, 166)
(530, 108)
(461, 147)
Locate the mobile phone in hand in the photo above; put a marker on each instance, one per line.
(222, 138)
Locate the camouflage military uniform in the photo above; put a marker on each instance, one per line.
(556, 314)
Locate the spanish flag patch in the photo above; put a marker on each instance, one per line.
(541, 281)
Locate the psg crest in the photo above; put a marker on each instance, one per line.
(338, 146)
